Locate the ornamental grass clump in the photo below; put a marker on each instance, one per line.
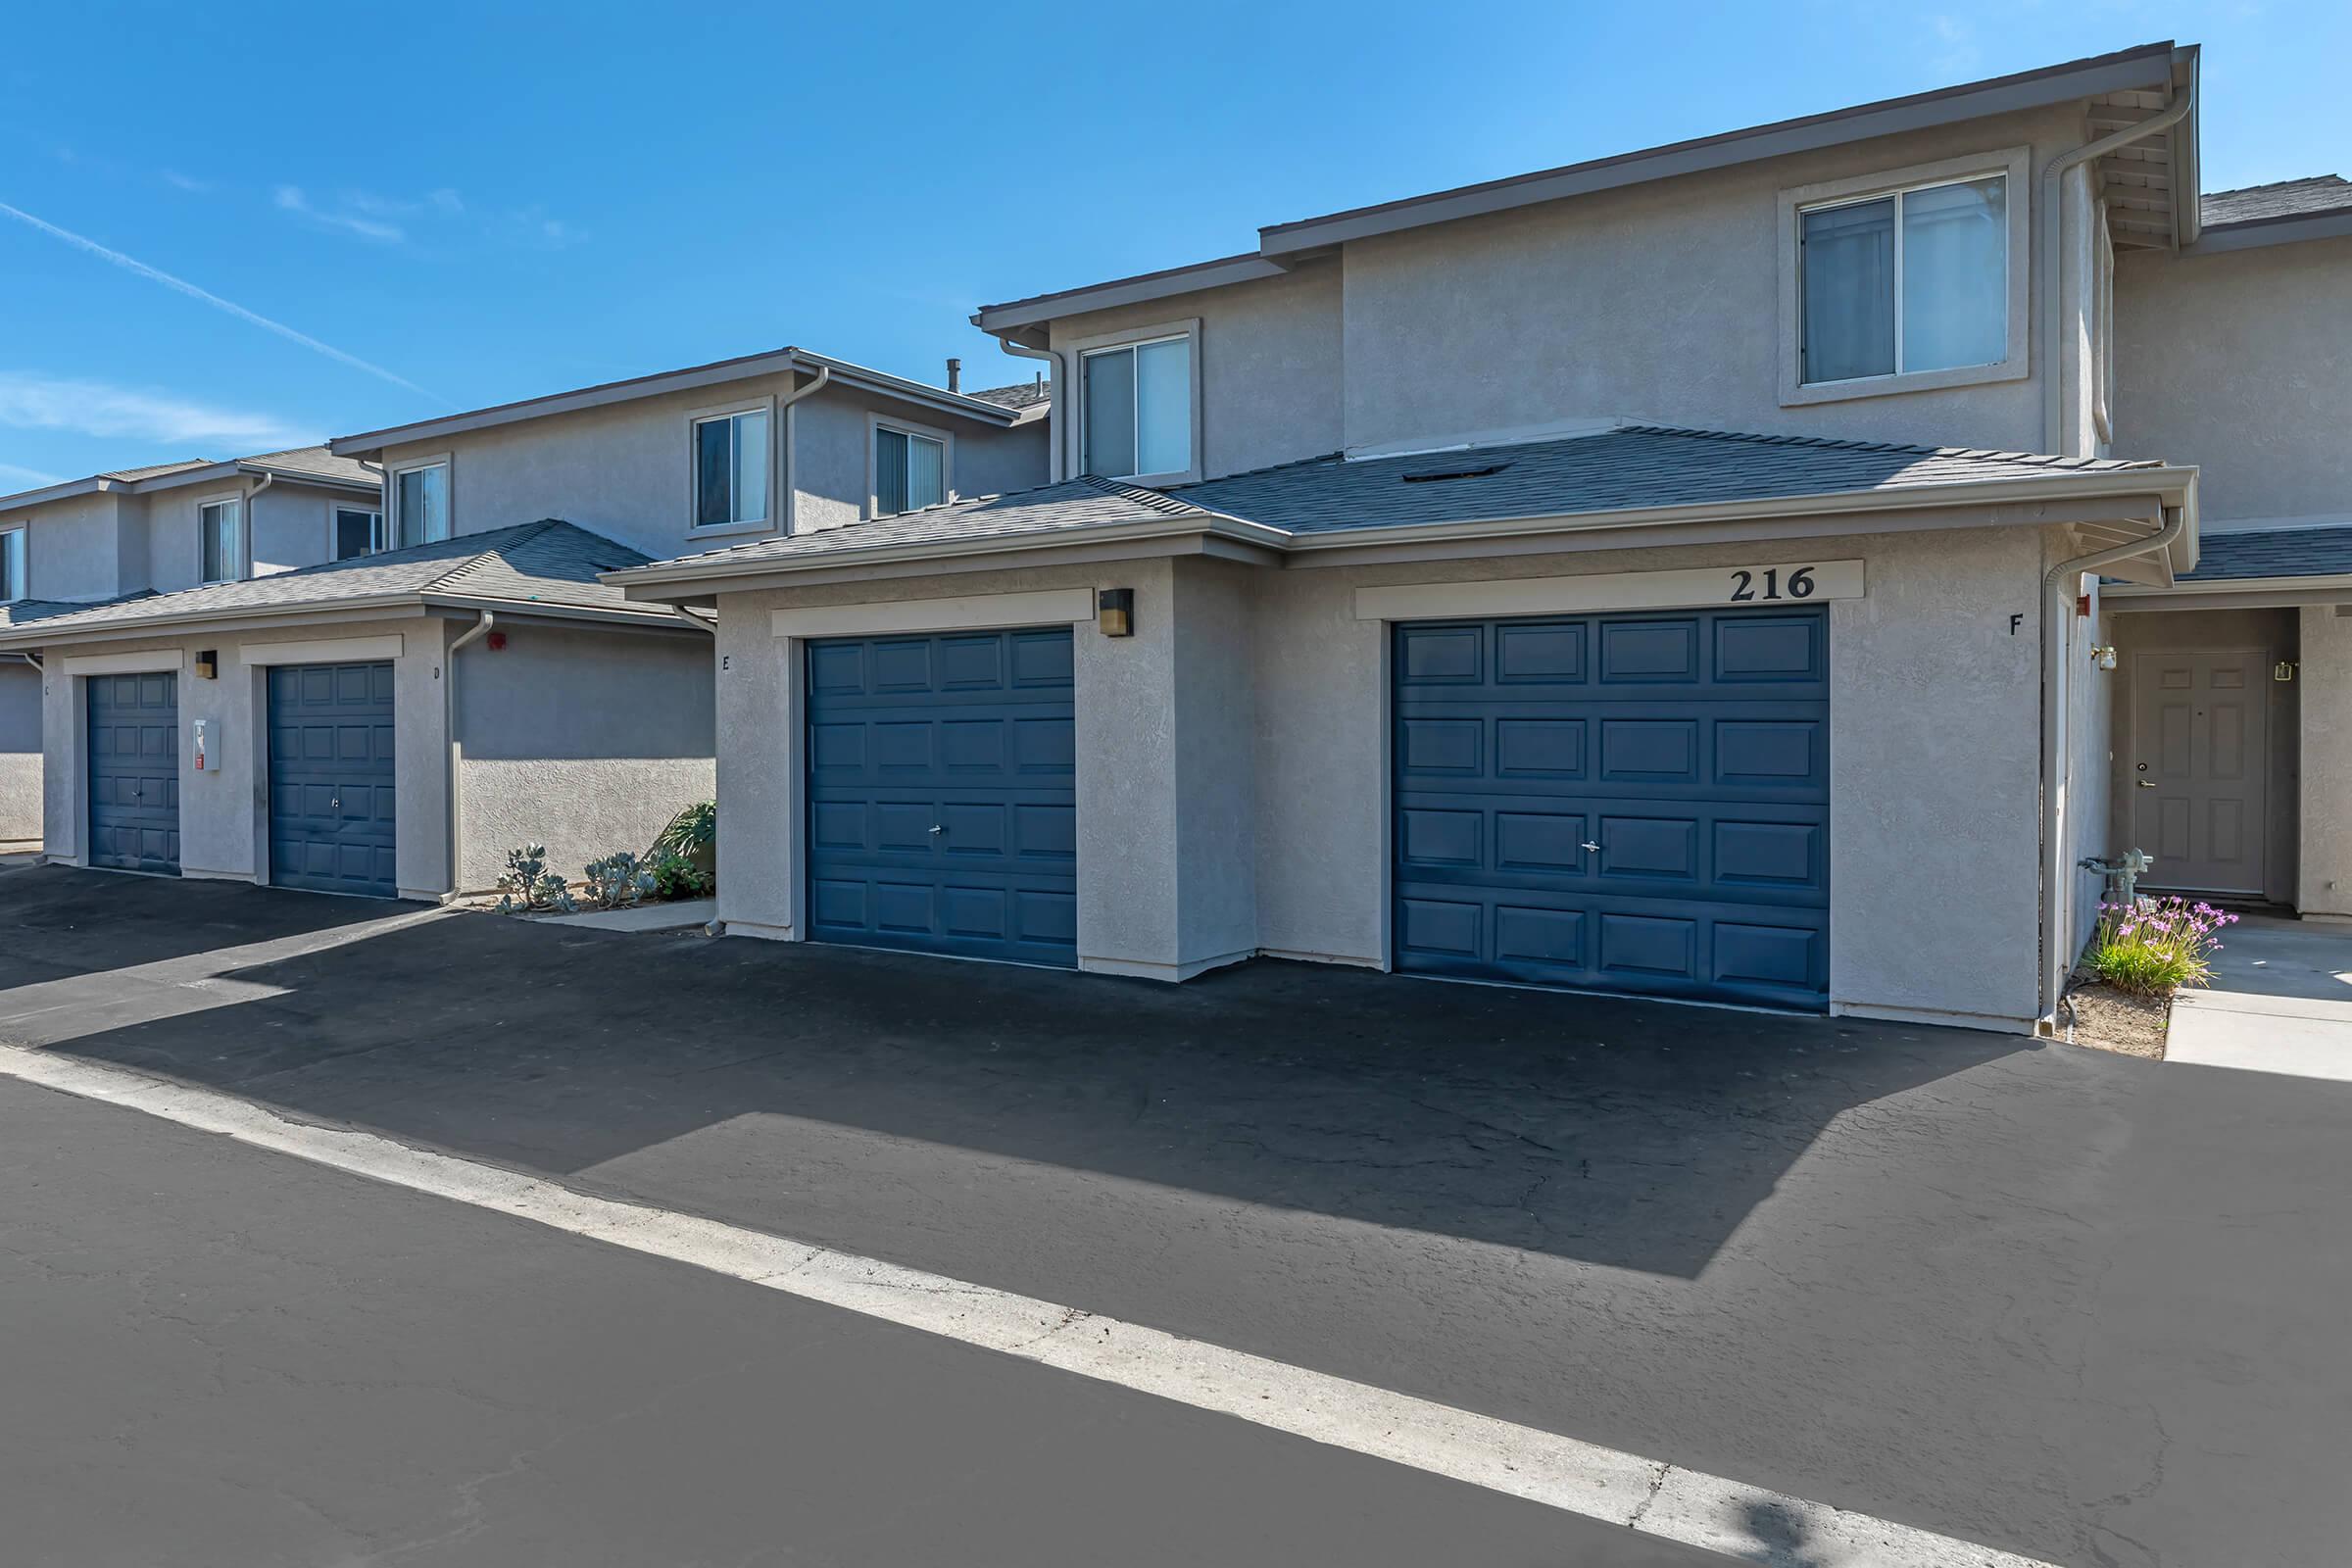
(2153, 947)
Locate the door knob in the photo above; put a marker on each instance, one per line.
(1589, 848)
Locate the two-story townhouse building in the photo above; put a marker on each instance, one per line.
(393, 724)
(1677, 574)
(156, 529)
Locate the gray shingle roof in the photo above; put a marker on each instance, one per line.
(2274, 553)
(1630, 468)
(156, 470)
(318, 461)
(25, 611)
(2285, 198)
(549, 561)
(1021, 395)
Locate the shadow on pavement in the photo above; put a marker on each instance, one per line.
(1614, 1132)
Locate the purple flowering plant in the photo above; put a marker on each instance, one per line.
(2156, 946)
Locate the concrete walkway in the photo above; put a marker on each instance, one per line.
(2281, 1001)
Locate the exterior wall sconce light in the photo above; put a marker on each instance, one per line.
(208, 665)
(1114, 611)
(2103, 657)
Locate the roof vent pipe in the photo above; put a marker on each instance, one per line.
(955, 375)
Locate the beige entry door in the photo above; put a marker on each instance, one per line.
(2199, 747)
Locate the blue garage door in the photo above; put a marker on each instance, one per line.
(134, 772)
(1624, 803)
(942, 797)
(330, 779)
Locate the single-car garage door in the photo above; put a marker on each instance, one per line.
(134, 772)
(330, 779)
(942, 797)
(1624, 803)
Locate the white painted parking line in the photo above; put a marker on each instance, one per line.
(1650, 1495)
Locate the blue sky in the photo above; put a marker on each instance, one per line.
(387, 214)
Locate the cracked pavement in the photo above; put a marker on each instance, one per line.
(2073, 1306)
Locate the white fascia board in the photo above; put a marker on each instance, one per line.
(687, 577)
(2272, 231)
(95, 485)
(1001, 320)
(2322, 583)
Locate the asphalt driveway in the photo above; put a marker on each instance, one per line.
(2071, 1304)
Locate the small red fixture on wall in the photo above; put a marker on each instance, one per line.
(497, 641)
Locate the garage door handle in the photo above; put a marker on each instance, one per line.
(1591, 848)
(936, 828)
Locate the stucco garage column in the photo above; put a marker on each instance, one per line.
(2327, 808)
(1132, 805)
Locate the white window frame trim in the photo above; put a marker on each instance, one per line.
(376, 536)
(25, 526)
(694, 419)
(392, 473)
(243, 565)
(1188, 330)
(876, 423)
(2014, 165)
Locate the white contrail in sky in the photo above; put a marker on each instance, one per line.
(181, 285)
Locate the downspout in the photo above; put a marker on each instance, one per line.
(1054, 382)
(2057, 870)
(456, 748)
(2053, 249)
(250, 496)
(784, 434)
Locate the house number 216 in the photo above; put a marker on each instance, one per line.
(1798, 586)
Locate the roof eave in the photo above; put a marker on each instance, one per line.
(720, 372)
(373, 607)
(668, 582)
(2315, 583)
(2166, 486)
(2288, 229)
(91, 486)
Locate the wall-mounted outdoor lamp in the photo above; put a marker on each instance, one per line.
(208, 665)
(1114, 611)
(2103, 657)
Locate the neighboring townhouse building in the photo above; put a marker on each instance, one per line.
(156, 529)
(2233, 690)
(1677, 574)
(393, 724)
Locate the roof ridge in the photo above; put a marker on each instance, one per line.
(523, 533)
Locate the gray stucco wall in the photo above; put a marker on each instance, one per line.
(623, 471)
(20, 754)
(2240, 361)
(1657, 301)
(1271, 374)
(2274, 632)
(224, 811)
(2325, 873)
(74, 548)
(584, 740)
(1198, 840)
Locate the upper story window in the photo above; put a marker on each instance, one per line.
(220, 539)
(1907, 281)
(12, 565)
(911, 468)
(730, 469)
(1913, 281)
(419, 504)
(357, 530)
(1137, 410)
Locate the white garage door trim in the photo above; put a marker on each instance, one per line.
(967, 613)
(1739, 584)
(147, 664)
(323, 651)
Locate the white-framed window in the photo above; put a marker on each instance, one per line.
(420, 494)
(1138, 406)
(354, 532)
(220, 539)
(731, 463)
(13, 580)
(910, 464)
(1907, 280)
